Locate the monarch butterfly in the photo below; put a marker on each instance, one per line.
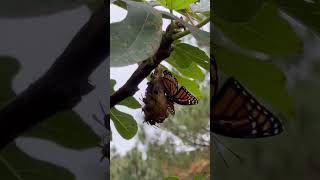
(180, 96)
(236, 113)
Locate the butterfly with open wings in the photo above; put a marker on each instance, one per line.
(236, 113)
(175, 94)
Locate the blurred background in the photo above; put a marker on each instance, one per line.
(275, 54)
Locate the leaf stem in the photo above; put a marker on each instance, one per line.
(10, 168)
(184, 33)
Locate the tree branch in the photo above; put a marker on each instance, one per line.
(143, 70)
(63, 85)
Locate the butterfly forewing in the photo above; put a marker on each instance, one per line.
(170, 83)
(235, 113)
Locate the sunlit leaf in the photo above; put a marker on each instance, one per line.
(193, 71)
(130, 102)
(124, 123)
(137, 37)
(176, 4)
(183, 54)
(112, 83)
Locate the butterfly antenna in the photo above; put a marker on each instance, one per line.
(106, 117)
(97, 120)
(229, 149)
(102, 109)
(219, 152)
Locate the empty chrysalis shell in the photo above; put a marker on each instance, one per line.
(156, 103)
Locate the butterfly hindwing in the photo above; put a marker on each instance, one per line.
(236, 113)
(180, 96)
(184, 97)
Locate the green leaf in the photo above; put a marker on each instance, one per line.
(193, 71)
(199, 178)
(183, 54)
(262, 78)
(17, 8)
(15, 164)
(112, 83)
(307, 12)
(124, 123)
(171, 178)
(191, 85)
(176, 4)
(137, 37)
(130, 102)
(235, 10)
(8, 69)
(267, 32)
(57, 129)
(95, 4)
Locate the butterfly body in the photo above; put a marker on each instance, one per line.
(175, 94)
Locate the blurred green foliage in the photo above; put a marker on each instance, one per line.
(163, 159)
(253, 45)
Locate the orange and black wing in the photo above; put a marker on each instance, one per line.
(236, 113)
(170, 83)
(184, 97)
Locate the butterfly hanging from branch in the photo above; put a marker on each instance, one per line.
(236, 113)
(175, 94)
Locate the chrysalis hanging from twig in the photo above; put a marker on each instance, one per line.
(155, 100)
